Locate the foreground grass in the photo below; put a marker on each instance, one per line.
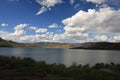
(16, 68)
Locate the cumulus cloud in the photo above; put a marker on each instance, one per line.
(47, 4)
(19, 30)
(4, 25)
(54, 25)
(14, 36)
(32, 28)
(84, 26)
(41, 30)
(116, 38)
(46, 37)
(104, 20)
(20, 26)
(101, 38)
(77, 27)
(71, 38)
(20, 34)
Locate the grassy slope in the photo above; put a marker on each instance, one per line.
(5, 43)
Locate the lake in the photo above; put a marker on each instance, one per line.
(64, 56)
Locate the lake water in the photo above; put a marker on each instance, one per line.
(64, 56)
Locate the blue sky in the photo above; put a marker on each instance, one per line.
(60, 20)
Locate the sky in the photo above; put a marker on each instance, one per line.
(67, 21)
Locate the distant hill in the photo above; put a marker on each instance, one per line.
(88, 45)
(53, 45)
(99, 46)
(5, 43)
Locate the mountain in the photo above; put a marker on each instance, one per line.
(99, 46)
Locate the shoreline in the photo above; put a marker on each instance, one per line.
(77, 48)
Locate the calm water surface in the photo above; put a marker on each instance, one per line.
(64, 56)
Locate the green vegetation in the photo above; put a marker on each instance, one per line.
(16, 68)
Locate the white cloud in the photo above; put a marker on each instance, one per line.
(47, 4)
(116, 38)
(54, 25)
(47, 37)
(18, 33)
(77, 28)
(96, 1)
(41, 30)
(20, 26)
(4, 25)
(104, 20)
(23, 37)
(72, 2)
(43, 9)
(71, 38)
(32, 28)
(3, 33)
(101, 38)
(19, 30)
